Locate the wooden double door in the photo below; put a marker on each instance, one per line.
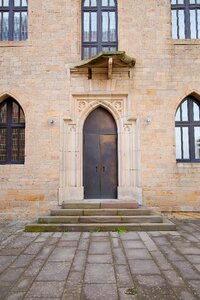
(100, 175)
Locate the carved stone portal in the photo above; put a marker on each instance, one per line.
(71, 174)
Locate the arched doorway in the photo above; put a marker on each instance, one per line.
(100, 175)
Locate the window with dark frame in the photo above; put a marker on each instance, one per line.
(13, 20)
(185, 19)
(188, 131)
(99, 27)
(12, 132)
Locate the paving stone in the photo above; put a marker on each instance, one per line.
(43, 237)
(173, 278)
(116, 243)
(157, 297)
(162, 240)
(197, 267)
(10, 252)
(57, 234)
(16, 296)
(23, 284)
(153, 285)
(85, 235)
(83, 244)
(73, 286)
(5, 261)
(184, 294)
(161, 261)
(34, 248)
(149, 243)
(79, 261)
(45, 252)
(3, 292)
(72, 292)
(67, 243)
(123, 275)
(22, 261)
(129, 236)
(137, 254)
(100, 239)
(75, 277)
(123, 296)
(54, 271)
(22, 242)
(100, 291)
(195, 284)
(171, 253)
(186, 270)
(34, 268)
(143, 267)
(50, 289)
(194, 259)
(70, 236)
(52, 241)
(133, 244)
(100, 248)
(189, 250)
(99, 273)
(99, 259)
(62, 254)
(114, 234)
(119, 257)
(11, 275)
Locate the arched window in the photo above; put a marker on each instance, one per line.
(185, 19)
(188, 131)
(12, 132)
(99, 23)
(13, 20)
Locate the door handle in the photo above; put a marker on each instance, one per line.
(96, 169)
(104, 168)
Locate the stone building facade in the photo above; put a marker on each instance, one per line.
(40, 74)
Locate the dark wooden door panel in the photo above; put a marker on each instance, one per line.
(100, 156)
(92, 166)
(108, 149)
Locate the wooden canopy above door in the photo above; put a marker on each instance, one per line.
(105, 60)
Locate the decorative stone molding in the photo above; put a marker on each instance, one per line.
(71, 174)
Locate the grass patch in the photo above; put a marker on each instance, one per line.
(120, 229)
(131, 291)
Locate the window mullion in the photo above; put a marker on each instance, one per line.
(99, 26)
(9, 132)
(11, 20)
(187, 19)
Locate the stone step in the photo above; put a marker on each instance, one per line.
(101, 212)
(101, 205)
(99, 219)
(166, 226)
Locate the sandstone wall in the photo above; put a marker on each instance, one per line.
(36, 73)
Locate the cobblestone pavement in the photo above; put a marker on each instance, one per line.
(100, 266)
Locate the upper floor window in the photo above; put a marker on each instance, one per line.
(13, 20)
(188, 131)
(12, 132)
(185, 19)
(99, 23)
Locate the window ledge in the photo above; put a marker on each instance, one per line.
(186, 42)
(188, 165)
(26, 43)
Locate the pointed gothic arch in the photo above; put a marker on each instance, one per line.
(187, 123)
(12, 132)
(100, 155)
